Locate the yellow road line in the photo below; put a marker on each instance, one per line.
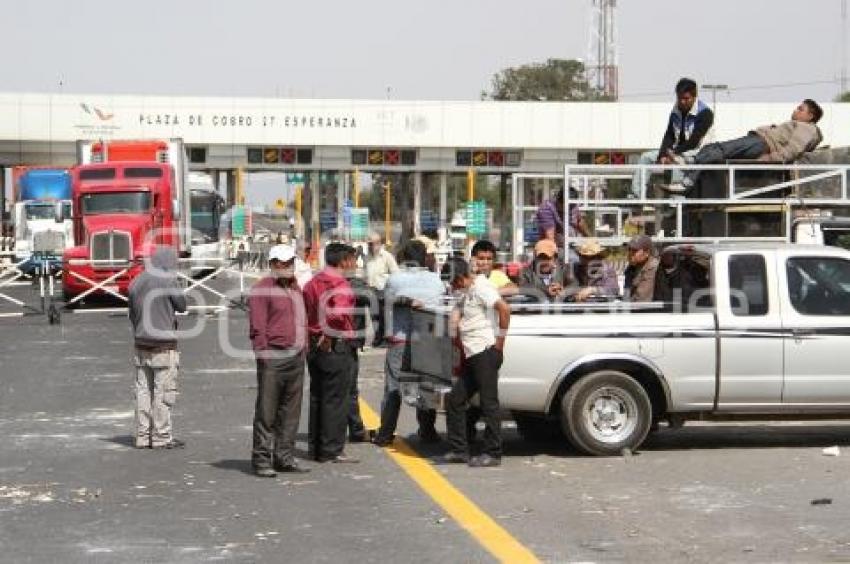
(481, 526)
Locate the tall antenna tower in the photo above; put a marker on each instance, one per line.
(601, 70)
(843, 47)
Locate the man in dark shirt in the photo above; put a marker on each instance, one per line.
(363, 298)
(688, 127)
(639, 285)
(278, 331)
(330, 304)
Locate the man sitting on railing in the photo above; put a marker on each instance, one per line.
(781, 143)
(688, 127)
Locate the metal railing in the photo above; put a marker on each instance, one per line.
(51, 305)
(801, 188)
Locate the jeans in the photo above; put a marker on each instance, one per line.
(646, 158)
(748, 147)
(481, 374)
(391, 403)
(651, 158)
(280, 386)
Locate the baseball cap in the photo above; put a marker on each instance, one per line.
(639, 242)
(545, 247)
(589, 248)
(283, 253)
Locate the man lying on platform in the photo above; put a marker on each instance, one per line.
(781, 143)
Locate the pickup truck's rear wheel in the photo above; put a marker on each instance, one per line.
(605, 412)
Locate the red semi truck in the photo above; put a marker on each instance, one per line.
(121, 209)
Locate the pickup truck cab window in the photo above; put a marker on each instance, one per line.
(819, 285)
(748, 285)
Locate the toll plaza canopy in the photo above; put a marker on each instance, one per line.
(403, 167)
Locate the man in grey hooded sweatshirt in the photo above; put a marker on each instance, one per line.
(155, 297)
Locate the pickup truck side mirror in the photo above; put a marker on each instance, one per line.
(59, 212)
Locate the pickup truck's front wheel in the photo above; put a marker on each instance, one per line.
(605, 412)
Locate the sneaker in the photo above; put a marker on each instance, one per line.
(172, 444)
(264, 472)
(453, 457)
(485, 461)
(341, 459)
(676, 188)
(358, 437)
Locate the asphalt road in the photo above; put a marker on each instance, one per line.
(72, 489)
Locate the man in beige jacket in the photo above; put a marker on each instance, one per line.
(784, 142)
(380, 264)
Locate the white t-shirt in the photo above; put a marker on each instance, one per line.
(478, 320)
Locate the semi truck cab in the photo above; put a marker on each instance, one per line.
(41, 237)
(120, 211)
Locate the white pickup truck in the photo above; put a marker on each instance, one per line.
(764, 332)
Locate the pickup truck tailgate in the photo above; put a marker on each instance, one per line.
(432, 353)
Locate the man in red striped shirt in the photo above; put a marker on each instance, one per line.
(330, 306)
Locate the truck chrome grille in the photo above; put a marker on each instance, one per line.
(110, 247)
(52, 242)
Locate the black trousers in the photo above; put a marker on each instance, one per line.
(280, 385)
(356, 428)
(381, 318)
(481, 374)
(391, 402)
(330, 393)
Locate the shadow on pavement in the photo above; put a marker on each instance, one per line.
(123, 440)
(239, 465)
(748, 436)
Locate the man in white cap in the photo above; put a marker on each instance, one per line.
(278, 331)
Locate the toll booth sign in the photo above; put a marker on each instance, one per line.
(359, 223)
(476, 218)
